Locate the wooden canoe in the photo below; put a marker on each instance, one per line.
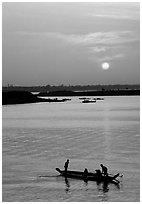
(90, 176)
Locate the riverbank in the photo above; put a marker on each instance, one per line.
(22, 97)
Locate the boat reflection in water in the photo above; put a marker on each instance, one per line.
(67, 185)
(102, 187)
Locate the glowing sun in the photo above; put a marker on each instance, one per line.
(105, 65)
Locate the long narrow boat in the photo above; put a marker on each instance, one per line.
(88, 101)
(90, 176)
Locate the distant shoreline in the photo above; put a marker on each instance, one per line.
(91, 93)
(49, 88)
(22, 97)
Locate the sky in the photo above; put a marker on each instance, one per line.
(67, 43)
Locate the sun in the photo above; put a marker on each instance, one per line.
(105, 65)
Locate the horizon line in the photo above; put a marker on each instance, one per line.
(63, 85)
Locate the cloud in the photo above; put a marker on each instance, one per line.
(103, 46)
(114, 37)
(110, 58)
(98, 49)
(118, 11)
(116, 16)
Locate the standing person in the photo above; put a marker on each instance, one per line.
(104, 170)
(66, 165)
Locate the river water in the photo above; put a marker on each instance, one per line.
(37, 138)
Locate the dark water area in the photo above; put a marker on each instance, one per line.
(37, 138)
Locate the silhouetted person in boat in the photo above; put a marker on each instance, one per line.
(98, 173)
(66, 165)
(85, 173)
(104, 170)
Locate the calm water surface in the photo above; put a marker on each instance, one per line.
(37, 138)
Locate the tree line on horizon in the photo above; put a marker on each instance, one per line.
(70, 87)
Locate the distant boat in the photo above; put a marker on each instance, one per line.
(98, 99)
(58, 100)
(88, 101)
(83, 98)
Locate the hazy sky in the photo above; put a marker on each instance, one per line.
(66, 43)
